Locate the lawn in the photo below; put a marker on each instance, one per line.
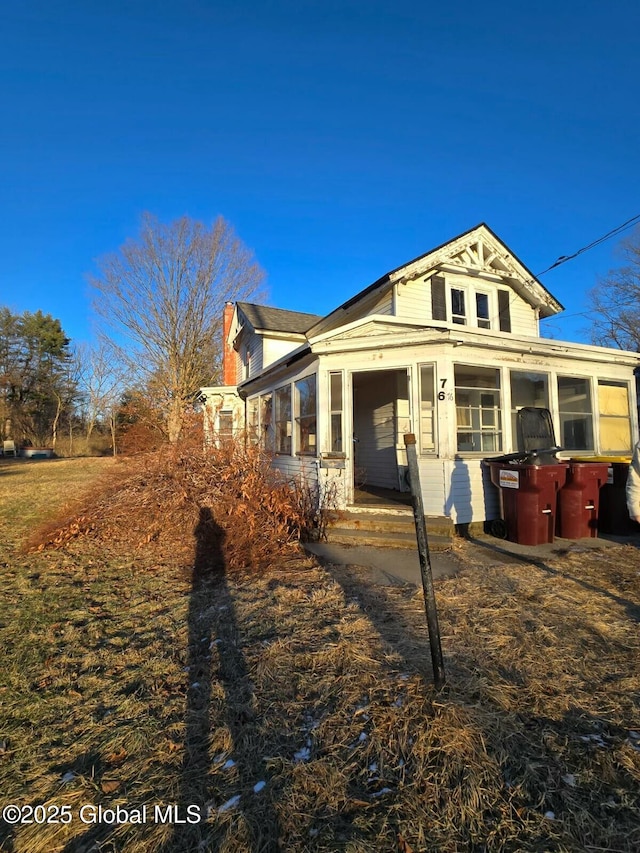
(293, 709)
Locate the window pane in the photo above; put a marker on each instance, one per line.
(306, 418)
(266, 422)
(615, 421)
(527, 389)
(225, 425)
(335, 392)
(253, 413)
(458, 312)
(576, 419)
(427, 409)
(482, 310)
(478, 409)
(283, 420)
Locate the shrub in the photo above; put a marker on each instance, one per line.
(180, 501)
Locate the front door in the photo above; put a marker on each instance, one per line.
(381, 416)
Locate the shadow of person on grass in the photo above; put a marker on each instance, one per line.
(225, 797)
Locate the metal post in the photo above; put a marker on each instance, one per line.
(439, 677)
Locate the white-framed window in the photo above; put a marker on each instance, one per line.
(458, 303)
(478, 409)
(306, 418)
(267, 432)
(253, 420)
(469, 306)
(427, 408)
(225, 425)
(576, 414)
(615, 416)
(336, 442)
(528, 388)
(282, 420)
(483, 309)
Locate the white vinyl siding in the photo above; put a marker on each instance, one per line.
(384, 305)
(413, 300)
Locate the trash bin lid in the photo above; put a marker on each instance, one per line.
(536, 428)
(625, 460)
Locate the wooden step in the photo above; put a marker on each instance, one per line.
(387, 530)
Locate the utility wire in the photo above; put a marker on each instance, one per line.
(564, 258)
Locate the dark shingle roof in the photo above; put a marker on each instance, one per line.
(277, 319)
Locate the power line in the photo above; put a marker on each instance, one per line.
(564, 258)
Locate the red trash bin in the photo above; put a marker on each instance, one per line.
(528, 499)
(579, 499)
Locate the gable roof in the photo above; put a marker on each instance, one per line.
(266, 319)
(506, 264)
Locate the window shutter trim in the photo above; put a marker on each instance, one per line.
(438, 298)
(504, 312)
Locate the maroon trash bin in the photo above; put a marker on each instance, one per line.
(528, 499)
(579, 499)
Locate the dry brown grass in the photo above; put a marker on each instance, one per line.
(139, 686)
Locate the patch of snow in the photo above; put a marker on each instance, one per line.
(230, 804)
(302, 754)
(228, 764)
(381, 792)
(569, 779)
(258, 787)
(550, 815)
(68, 777)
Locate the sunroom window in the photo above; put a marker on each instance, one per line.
(527, 389)
(427, 409)
(576, 417)
(283, 420)
(615, 420)
(266, 421)
(478, 412)
(253, 420)
(306, 416)
(335, 395)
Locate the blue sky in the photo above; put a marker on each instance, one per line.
(340, 139)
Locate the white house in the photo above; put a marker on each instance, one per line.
(448, 347)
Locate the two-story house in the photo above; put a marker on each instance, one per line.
(447, 347)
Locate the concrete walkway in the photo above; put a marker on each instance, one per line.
(384, 566)
(401, 567)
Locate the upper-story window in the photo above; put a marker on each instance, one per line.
(467, 305)
(458, 306)
(483, 314)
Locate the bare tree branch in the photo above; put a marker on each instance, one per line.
(161, 297)
(616, 302)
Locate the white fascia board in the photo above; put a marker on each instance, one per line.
(281, 336)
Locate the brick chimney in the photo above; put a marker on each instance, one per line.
(228, 353)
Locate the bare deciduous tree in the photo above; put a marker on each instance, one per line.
(161, 298)
(616, 302)
(102, 379)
